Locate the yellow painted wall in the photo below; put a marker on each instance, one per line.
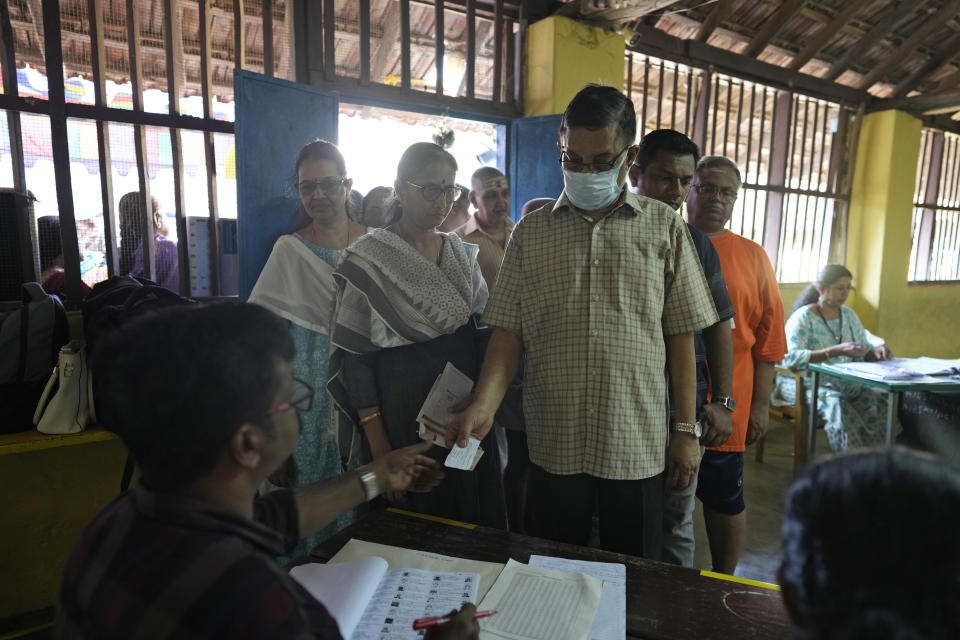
(562, 56)
(914, 319)
(49, 497)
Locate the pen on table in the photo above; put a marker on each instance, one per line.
(432, 621)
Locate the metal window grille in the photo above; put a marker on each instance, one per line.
(131, 96)
(935, 253)
(793, 151)
(428, 53)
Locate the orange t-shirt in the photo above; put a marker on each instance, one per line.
(757, 326)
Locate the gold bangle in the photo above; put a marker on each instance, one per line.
(369, 418)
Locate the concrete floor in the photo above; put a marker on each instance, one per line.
(765, 486)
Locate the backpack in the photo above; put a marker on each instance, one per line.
(31, 334)
(111, 304)
(116, 300)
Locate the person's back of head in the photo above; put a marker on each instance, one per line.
(48, 240)
(175, 385)
(869, 547)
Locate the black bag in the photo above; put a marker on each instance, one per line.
(116, 300)
(111, 304)
(31, 334)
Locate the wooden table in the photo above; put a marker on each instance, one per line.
(663, 601)
(893, 388)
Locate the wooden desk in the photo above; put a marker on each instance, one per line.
(663, 601)
(893, 388)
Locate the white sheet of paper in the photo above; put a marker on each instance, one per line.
(402, 558)
(407, 594)
(610, 622)
(462, 457)
(344, 589)
(452, 386)
(540, 604)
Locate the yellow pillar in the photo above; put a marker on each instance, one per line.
(562, 56)
(915, 320)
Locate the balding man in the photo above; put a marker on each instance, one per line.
(491, 226)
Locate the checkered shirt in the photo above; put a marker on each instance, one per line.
(592, 302)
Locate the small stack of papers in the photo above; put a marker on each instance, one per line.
(900, 369)
(450, 387)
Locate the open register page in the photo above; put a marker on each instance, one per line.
(370, 602)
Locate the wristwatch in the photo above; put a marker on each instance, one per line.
(369, 481)
(728, 403)
(695, 429)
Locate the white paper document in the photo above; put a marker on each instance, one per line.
(540, 604)
(452, 386)
(403, 558)
(465, 458)
(900, 369)
(610, 622)
(371, 603)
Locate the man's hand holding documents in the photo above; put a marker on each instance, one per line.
(451, 387)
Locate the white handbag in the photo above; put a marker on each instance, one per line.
(64, 405)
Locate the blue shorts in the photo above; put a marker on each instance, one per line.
(720, 482)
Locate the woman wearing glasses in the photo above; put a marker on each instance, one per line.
(406, 296)
(823, 329)
(297, 284)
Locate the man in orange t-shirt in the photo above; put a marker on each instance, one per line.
(758, 342)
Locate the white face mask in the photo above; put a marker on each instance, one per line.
(592, 191)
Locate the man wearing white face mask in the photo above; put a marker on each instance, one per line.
(602, 291)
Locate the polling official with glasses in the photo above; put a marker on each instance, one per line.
(406, 295)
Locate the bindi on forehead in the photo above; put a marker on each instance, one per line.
(495, 184)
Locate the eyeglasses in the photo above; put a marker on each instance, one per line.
(589, 167)
(301, 399)
(327, 185)
(431, 192)
(712, 191)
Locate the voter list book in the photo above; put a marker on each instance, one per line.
(370, 602)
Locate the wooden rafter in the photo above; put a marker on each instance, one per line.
(721, 11)
(772, 27)
(935, 21)
(940, 57)
(926, 104)
(830, 29)
(883, 28)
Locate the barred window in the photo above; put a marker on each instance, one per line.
(793, 152)
(935, 255)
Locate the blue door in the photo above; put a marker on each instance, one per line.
(274, 119)
(534, 160)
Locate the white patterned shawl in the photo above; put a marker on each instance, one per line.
(389, 295)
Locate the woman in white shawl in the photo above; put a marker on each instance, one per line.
(297, 284)
(406, 297)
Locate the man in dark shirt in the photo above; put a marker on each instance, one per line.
(663, 170)
(205, 400)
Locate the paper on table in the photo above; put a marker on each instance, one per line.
(407, 594)
(401, 558)
(465, 458)
(610, 622)
(930, 366)
(344, 589)
(540, 604)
